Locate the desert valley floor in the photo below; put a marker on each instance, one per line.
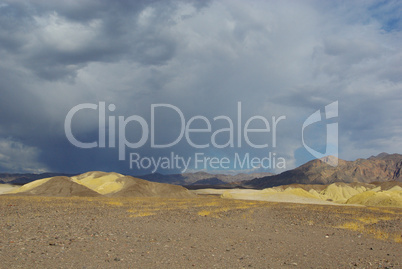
(201, 232)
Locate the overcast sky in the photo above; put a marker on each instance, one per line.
(205, 58)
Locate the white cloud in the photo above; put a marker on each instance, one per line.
(65, 36)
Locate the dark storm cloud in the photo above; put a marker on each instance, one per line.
(55, 39)
(276, 58)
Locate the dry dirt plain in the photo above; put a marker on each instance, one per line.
(203, 232)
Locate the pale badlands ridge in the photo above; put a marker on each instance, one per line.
(5, 188)
(335, 194)
(114, 184)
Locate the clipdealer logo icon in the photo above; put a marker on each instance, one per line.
(331, 111)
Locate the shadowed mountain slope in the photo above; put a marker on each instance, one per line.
(21, 179)
(201, 178)
(55, 186)
(381, 168)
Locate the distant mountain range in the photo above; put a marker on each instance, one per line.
(202, 178)
(21, 179)
(186, 179)
(381, 168)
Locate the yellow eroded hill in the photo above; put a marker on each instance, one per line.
(101, 182)
(391, 198)
(31, 185)
(55, 186)
(341, 192)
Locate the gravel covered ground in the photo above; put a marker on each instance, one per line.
(205, 232)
